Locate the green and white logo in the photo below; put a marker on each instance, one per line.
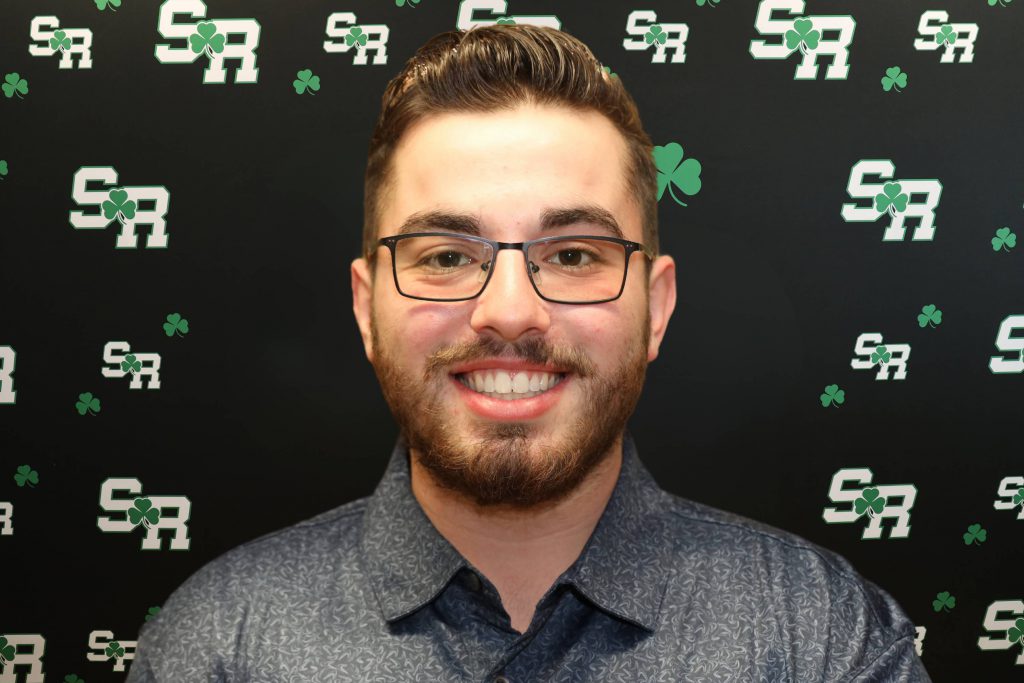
(67, 41)
(919, 640)
(643, 24)
(897, 199)
(826, 35)
(1006, 343)
(7, 360)
(940, 34)
(22, 653)
(362, 37)
(121, 204)
(209, 39)
(1011, 495)
(104, 647)
(498, 9)
(151, 513)
(869, 352)
(118, 355)
(873, 502)
(1010, 627)
(6, 518)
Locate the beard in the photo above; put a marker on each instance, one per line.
(503, 463)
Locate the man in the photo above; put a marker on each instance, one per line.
(516, 536)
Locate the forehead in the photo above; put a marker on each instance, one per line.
(509, 174)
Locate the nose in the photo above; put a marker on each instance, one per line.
(509, 305)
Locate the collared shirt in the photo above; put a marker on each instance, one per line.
(665, 589)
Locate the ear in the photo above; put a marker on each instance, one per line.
(662, 302)
(362, 302)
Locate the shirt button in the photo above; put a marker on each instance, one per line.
(501, 678)
(473, 584)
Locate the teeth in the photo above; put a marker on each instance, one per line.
(502, 384)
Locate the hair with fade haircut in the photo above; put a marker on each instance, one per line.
(500, 67)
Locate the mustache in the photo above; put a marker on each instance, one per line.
(530, 350)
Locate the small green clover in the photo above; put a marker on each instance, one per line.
(1004, 240)
(102, 4)
(73, 678)
(26, 475)
(176, 324)
(946, 34)
(869, 502)
(14, 84)
(506, 21)
(87, 403)
(7, 650)
(60, 41)
(892, 198)
(355, 35)
(685, 175)
(1016, 632)
(1004, 3)
(3, 167)
(412, 3)
(608, 70)
(305, 80)
(975, 534)
(118, 206)
(894, 78)
(1018, 498)
(880, 355)
(143, 513)
(131, 364)
(943, 601)
(929, 315)
(656, 34)
(833, 396)
(709, 3)
(207, 39)
(114, 650)
(153, 611)
(801, 36)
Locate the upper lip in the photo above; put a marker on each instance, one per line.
(505, 364)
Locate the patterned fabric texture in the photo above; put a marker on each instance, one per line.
(665, 590)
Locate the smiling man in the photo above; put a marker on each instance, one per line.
(510, 297)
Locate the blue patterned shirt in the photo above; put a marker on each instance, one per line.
(665, 590)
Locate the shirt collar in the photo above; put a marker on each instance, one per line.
(622, 568)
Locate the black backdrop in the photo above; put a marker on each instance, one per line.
(267, 411)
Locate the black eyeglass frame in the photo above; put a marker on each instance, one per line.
(496, 246)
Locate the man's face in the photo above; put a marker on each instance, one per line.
(505, 169)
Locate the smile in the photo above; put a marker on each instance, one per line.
(507, 386)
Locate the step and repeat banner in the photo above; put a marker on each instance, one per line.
(840, 182)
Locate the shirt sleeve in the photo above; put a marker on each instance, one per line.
(898, 663)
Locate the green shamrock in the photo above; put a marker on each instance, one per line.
(14, 84)
(1018, 497)
(143, 513)
(412, 3)
(131, 364)
(656, 34)
(115, 650)
(206, 38)
(1004, 240)
(306, 80)
(929, 315)
(7, 651)
(1004, 3)
(60, 41)
(153, 611)
(685, 176)
(869, 502)
(894, 78)
(73, 678)
(833, 395)
(943, 601)
(975, 534)
(102, 4)
(801, 36)
(87, 403)
(608, 70)
(891, 197)
(946, 34)
(709, 3)
(1016, 632)
(26, 475)
(118, 205)
(175, 323)
(355, 35)
(506, 21)
(880, 355)
(3, 168)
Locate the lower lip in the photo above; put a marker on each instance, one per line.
(517, 409)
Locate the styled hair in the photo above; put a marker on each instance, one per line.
(500, 67)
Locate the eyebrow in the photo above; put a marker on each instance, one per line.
(551, 219)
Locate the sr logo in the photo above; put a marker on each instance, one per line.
(876, 502)
(1005, 617)
(212, 38)
(670, 36)
(827, 35)
(1008, 344)
(498, 9)
(69, 42)
(367, 37)
(149, 512)
(898, 200)
(121, 204)
(870, 351)
(940, 34)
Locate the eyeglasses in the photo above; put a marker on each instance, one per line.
(570, 269)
